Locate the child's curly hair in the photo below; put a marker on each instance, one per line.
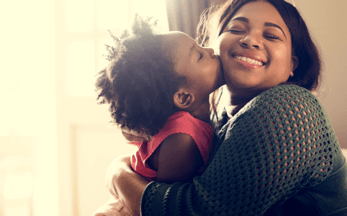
(140, 81)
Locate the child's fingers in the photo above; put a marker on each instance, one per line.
(132, 137)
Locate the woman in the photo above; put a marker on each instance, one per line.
(276, 153)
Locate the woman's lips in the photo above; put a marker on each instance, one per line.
(247, 60)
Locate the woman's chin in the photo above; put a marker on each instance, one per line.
(244, 89)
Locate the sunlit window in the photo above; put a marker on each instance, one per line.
(27, 109)
(81, 67)
(42, 43)
(112, 14)
(91, 23)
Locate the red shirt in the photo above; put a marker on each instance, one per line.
(180, 122)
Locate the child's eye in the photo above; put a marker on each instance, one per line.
(235, 31)
(201, 55)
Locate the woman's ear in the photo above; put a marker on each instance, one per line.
(183, 99)
(295, 62)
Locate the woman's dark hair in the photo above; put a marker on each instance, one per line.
(140, 82)
(308, 72)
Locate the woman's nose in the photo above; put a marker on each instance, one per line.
(251, 40)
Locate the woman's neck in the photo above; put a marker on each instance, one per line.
(236, 104)
(236, 101)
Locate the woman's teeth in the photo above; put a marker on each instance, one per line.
(249, 60)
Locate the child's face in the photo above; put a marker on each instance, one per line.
(199, 65)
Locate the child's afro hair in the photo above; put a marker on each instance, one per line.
(140, 81)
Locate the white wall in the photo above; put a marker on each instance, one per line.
(326, 19)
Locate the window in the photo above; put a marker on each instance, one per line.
(50, 49)
(83, 131)
(27, 113)
(85, 34)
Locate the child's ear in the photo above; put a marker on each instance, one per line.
(183, 99)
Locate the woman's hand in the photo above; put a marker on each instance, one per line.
(124, 183)
(114, 207)
(113, 171)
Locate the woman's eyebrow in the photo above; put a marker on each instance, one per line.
(243, 19)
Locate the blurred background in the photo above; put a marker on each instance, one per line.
(55, 141)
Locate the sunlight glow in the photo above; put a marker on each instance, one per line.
(146, 8)
(80, 15)
(101, 61)
(5, 108)
(18, 185)
(27, 92)
(112, 14)
(22, 210)
(81, 68)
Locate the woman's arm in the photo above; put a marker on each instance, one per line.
(277, 145)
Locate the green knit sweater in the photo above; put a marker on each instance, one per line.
(277, 156)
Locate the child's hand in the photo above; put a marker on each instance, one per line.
(133, 136)
(114, 207)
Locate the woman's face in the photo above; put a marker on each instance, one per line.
(255, 50)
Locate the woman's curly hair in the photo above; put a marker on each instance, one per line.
(140, 81)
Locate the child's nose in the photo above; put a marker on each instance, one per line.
(210, 52)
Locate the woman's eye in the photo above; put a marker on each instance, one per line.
(271, 37)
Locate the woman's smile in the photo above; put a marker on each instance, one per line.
(248, 59)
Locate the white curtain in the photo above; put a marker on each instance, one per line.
(184, 15)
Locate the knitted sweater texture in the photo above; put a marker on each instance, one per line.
(277, 156)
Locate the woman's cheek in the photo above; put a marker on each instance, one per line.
(217, 44)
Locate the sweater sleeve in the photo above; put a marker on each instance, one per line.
(278, 144)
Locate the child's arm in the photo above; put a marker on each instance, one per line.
(176, 159)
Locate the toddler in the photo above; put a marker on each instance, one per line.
(159, 85)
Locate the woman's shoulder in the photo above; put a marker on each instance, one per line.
(286, 96)
(286, 90)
